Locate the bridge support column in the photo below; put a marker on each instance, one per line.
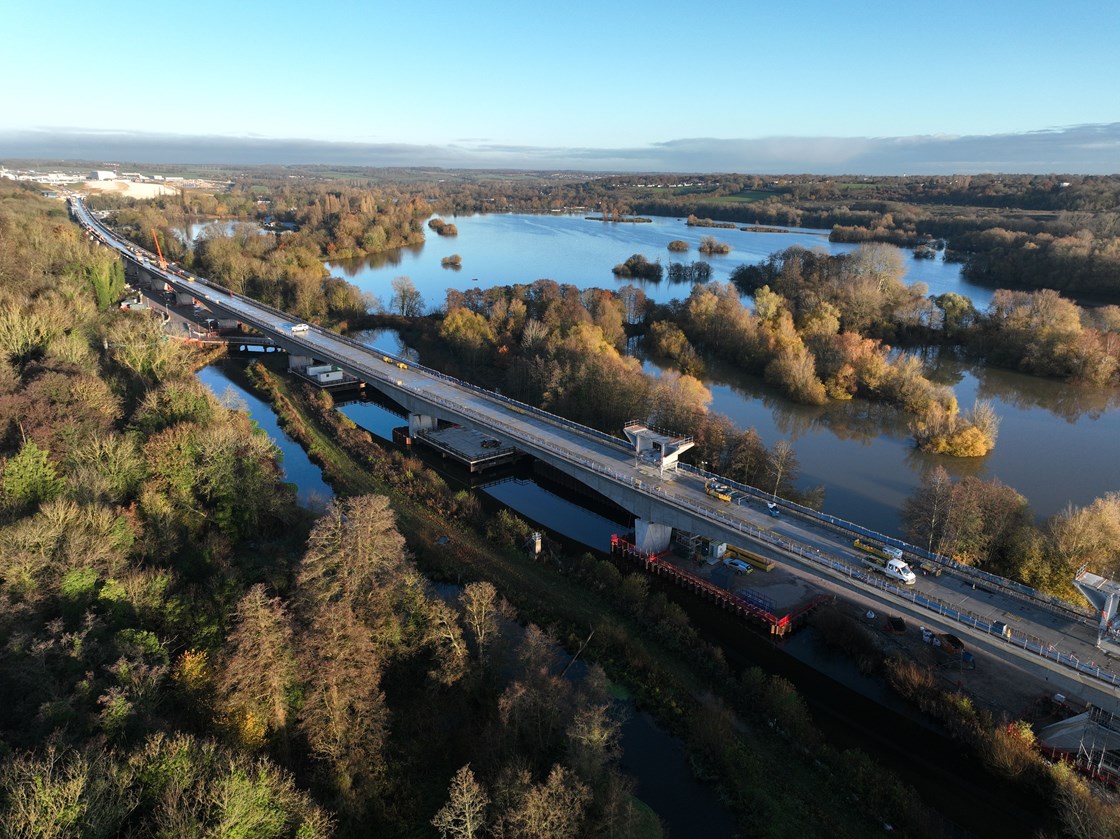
(299, 361)
(421, 422)
(651, 536)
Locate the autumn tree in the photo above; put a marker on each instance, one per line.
(260, 669)
(343, 715)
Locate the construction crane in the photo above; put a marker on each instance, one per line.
(159, 250)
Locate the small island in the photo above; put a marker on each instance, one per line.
(639, 267)
(443, 228)
(623, 219)
(455, 262)
(693, 221)
(678, 245)
(711, 245)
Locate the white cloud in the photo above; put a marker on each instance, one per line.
(1082, 149)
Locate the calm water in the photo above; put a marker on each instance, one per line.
(298, 469)
(511, 248)
(191, 233)
(1057, 443)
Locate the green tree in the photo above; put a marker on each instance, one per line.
(29, 478)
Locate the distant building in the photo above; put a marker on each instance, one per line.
(102, 175)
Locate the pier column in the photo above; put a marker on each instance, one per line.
(299, 362)
(421, 422)
(652, 537)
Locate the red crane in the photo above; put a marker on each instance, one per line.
(159, 250)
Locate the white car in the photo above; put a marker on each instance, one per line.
(738, 566)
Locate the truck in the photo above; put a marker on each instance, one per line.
(887, 559)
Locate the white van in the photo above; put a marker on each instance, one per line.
(299, 327)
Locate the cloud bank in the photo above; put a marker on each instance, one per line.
(1081, 149)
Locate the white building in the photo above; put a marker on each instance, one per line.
(101, 175)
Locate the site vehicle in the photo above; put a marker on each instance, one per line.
(738, 566)
(299, 327)
(772, 509)
(887, 559)
(718, 490)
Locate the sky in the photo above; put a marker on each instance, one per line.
(748, 86)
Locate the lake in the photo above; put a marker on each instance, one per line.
(505, 249)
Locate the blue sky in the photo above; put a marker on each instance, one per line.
(620, 84)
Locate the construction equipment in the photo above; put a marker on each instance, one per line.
(159, 250)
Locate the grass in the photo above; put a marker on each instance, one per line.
(747, 196)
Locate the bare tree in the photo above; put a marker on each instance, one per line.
(782, 462)
(480, 608)
(464, 814)
(260, 670)
(406, 300)
(926, 512)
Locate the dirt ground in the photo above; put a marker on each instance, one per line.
(1001, 687)
(129, 188)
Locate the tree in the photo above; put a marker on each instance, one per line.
(406, 300)
(61, 794)
(464, 814)
(468, 333)
(260, 670)
(29, 478)
(480, 608)
(593, 741)
(354, 554)
(551, 810)
(783, 462)
(924, 514)
(343, 713)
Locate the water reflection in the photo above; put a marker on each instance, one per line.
(223, 380)
(1057, 442)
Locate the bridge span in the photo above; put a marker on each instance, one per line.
(1051, 634)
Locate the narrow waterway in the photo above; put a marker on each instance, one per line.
(224, 380)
